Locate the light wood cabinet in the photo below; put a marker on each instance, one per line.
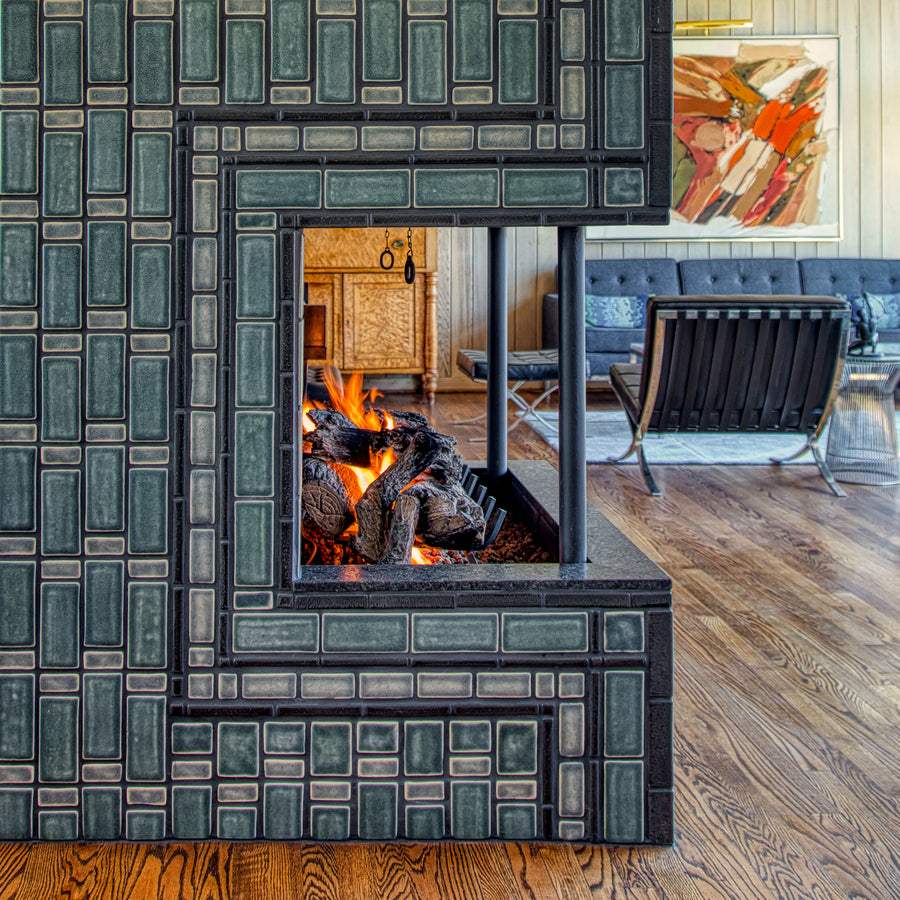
(375, 322)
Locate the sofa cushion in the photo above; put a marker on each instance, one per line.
(850, 276)
(611, 340)
(601, 311)
(632, 276)
(740, 276)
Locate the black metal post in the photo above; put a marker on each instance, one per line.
(496, 353)
(572, 398)
(299, 388)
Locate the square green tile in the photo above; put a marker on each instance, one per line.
(192, 738)
(330, 823)
(623, 632)
(236, 823)
(284, 738)
(424, 823)
(377, 737)
(238, 749)
(58, 826)
(145, 825)
(470, 737)
(516, 821)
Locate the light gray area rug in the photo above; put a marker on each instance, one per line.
(608, 435)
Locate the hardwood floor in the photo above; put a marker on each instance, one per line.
(787, 705)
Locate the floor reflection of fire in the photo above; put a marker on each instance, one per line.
(382, 486)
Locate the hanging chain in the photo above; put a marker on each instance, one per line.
(409, 270)
(387, 258)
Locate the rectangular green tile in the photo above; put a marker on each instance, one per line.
(623, 186)
(623, 632)
(104, 591)
(254, 454)
(193, 738)
(58, 739)
(367, 189)
(17, 376)
(104, 488)
(518, 61)
(253, 543)
(624, 29)
(504, 137)
(381, 39)
(456, 187)
(60, 512)
(153, 63)
(572, 37)
(470, 810)
(255, 365)
(151, 286)
(517, 744)
(423, 748)
(149, 398)
(62, 64)
(329, 823)
(191, 813)
(623, 713)
(106, 264)
(238, 749)
(199, 42)
(364, 633)
(290, 40)
(545, 632)
(145, 736)
(150, 167)
(244, 61)
(106, 150)
(285, 738)
(102, 726)
(61, 285)
(17, 605)
(279, 189)
(545, 187)
(624, 107)
(427, 62)
(105, 376)
(516, 821)
(17, 468)
(336, 61)
(377, 737)
(58, 826)
(623, 802)
(101, 813)
(147, 638)
(256, 276)
(61, 398)
(377, 812)
(18, 264)
(18, 152)
(283, 811)
(148, 511)
(472, 40)
(16, 715)
(145, 825)
(275, 633)
(572, 100)
(107, 40)
(455, 632)
(59, 625)
(388, 137)
(62, 188)
(330, 751)
(18, 40)
(236, 823)
(470, 737)
(250, 221)
(424, 823)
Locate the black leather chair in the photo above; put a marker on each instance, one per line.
(742, 364)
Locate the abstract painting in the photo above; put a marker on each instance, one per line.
(756, 141)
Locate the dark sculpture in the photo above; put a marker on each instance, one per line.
(865, 311)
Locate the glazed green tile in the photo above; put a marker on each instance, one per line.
(454, 632)
(18, 264)
(58, 739)
(60, 512)
(423, 748)
(545, 632)
(329, 823)
(244, 61)
(445, 137)
(151, 286)
(238, 749)
(290, 40)
(255, 364)
(145, 736)
(149, 398)
(203, 322)
(330, 748)
(18, 152)
(570, 790)
(150, 166)
(393, 137)
(624, 107)
(284, 738)
(191, 813)
(472, 40)
(518, 61)
(571, 137)
(105, 376)
(623, 713)
(517, 748)
(101, 813)
(17, 468)
(623, 802)
(336, 61)
(470, 810)
(58, 826)
(379, 632)
(59, 625)
(62, 188)
(250, 221)
(624, 29)
(16, 714)
(199, 42)
(104, 592)
(424, 823)
(516, 821)
(106, 150)
(148, 510)
(427, 62)
(107, 40)
(504, 137)
(17, 376)
(61, 398)
(62, 64)
(254, 454)
(377, 737)
(18, 40)
(623, 632)
(381, 39)
(253, 543)
(279, 189)
(275, 633)
(545, 187)
(197, 739)
(256, 276)
(330, 137)
(147, 635)
(145, 825)
(571, 90)
(236, 823)
(283, 811)
(152, 63)
(61, 285)
(623, 187)
(377, 812)
(17, 606)
(470, 737)
(367, 189)
(102, 734)
(106, 264)
(572, 34)
(571, 729)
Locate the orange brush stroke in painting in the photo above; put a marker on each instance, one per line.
(785, 129)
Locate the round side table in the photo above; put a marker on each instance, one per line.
(862, 435)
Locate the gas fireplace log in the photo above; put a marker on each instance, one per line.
(337, 439)
(448, 517)
(325, 497)
(402, 531)
(403, 417)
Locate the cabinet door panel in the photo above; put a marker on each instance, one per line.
(320, 291)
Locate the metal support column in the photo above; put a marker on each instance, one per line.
(496, 353)
(572, 398)
(299, 388)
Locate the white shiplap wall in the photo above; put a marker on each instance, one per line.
(870, 128)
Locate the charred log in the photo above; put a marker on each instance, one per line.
(448, 516)
(326, 499)
(337, 439)
(402, 530)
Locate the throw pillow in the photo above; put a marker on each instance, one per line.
(887, 307)
(615, 312)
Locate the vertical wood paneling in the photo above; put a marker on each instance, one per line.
(890, 133)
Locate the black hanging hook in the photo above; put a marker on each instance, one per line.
(409, 270)
(389, 264)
